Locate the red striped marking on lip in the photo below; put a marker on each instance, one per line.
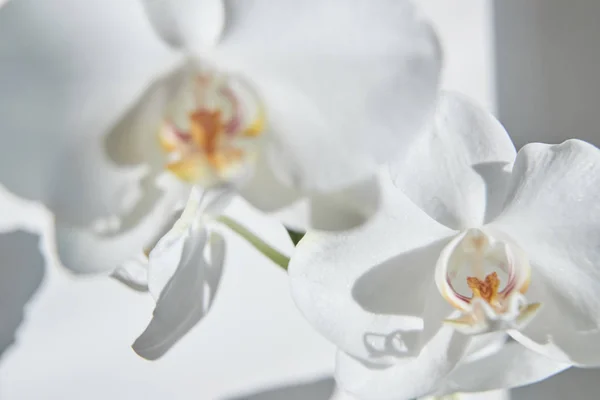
(512, 280)
(460, 296)
(510, 285)
(235, 122)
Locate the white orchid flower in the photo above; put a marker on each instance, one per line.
(473, 243)
(109, 124)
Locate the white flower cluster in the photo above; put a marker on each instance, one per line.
(437, 258)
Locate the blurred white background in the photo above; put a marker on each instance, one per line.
(75, 337)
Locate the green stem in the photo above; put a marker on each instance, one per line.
(255, 241)
(296, 236)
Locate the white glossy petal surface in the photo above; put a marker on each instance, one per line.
(410, 378)
(550, 334)
(187, 24)
(366, 288)
(458, 168)
(360, 79)
(513, 365)
(553, 212)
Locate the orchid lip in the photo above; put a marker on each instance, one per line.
(211, 130)
(478, 261)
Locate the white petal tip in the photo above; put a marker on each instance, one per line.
(148, 352)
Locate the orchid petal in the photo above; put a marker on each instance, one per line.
(187, 24)
(65, 79)
(559, 342)
(458, 169)
(340, 210)
(340, 97)
(366, 288)
(265, 191)
(411, 378)
(92, 250)
(168, 252)
(134, 274)
(187, 296)
(553, 212)
(134, 138)
(511, 366)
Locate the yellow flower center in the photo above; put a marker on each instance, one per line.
(477, 261)
(486, 289)
(211, 129)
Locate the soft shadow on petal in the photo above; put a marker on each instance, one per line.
(184, 272)
(455, 171)
(496, 177)
(134, 138)
(569, 343)
(326, 267)
(513, 365)
(21, 274)
(217, 261)
(265, 190)
(575, 383)
(553, 213)
(409, 378)
(341, 97)
(92, 251)
(341, 210)
(167, 252)
(421, 303)
(437, 309)
(187, 296)
(321, 389)
(187, 24)
(399, 285)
